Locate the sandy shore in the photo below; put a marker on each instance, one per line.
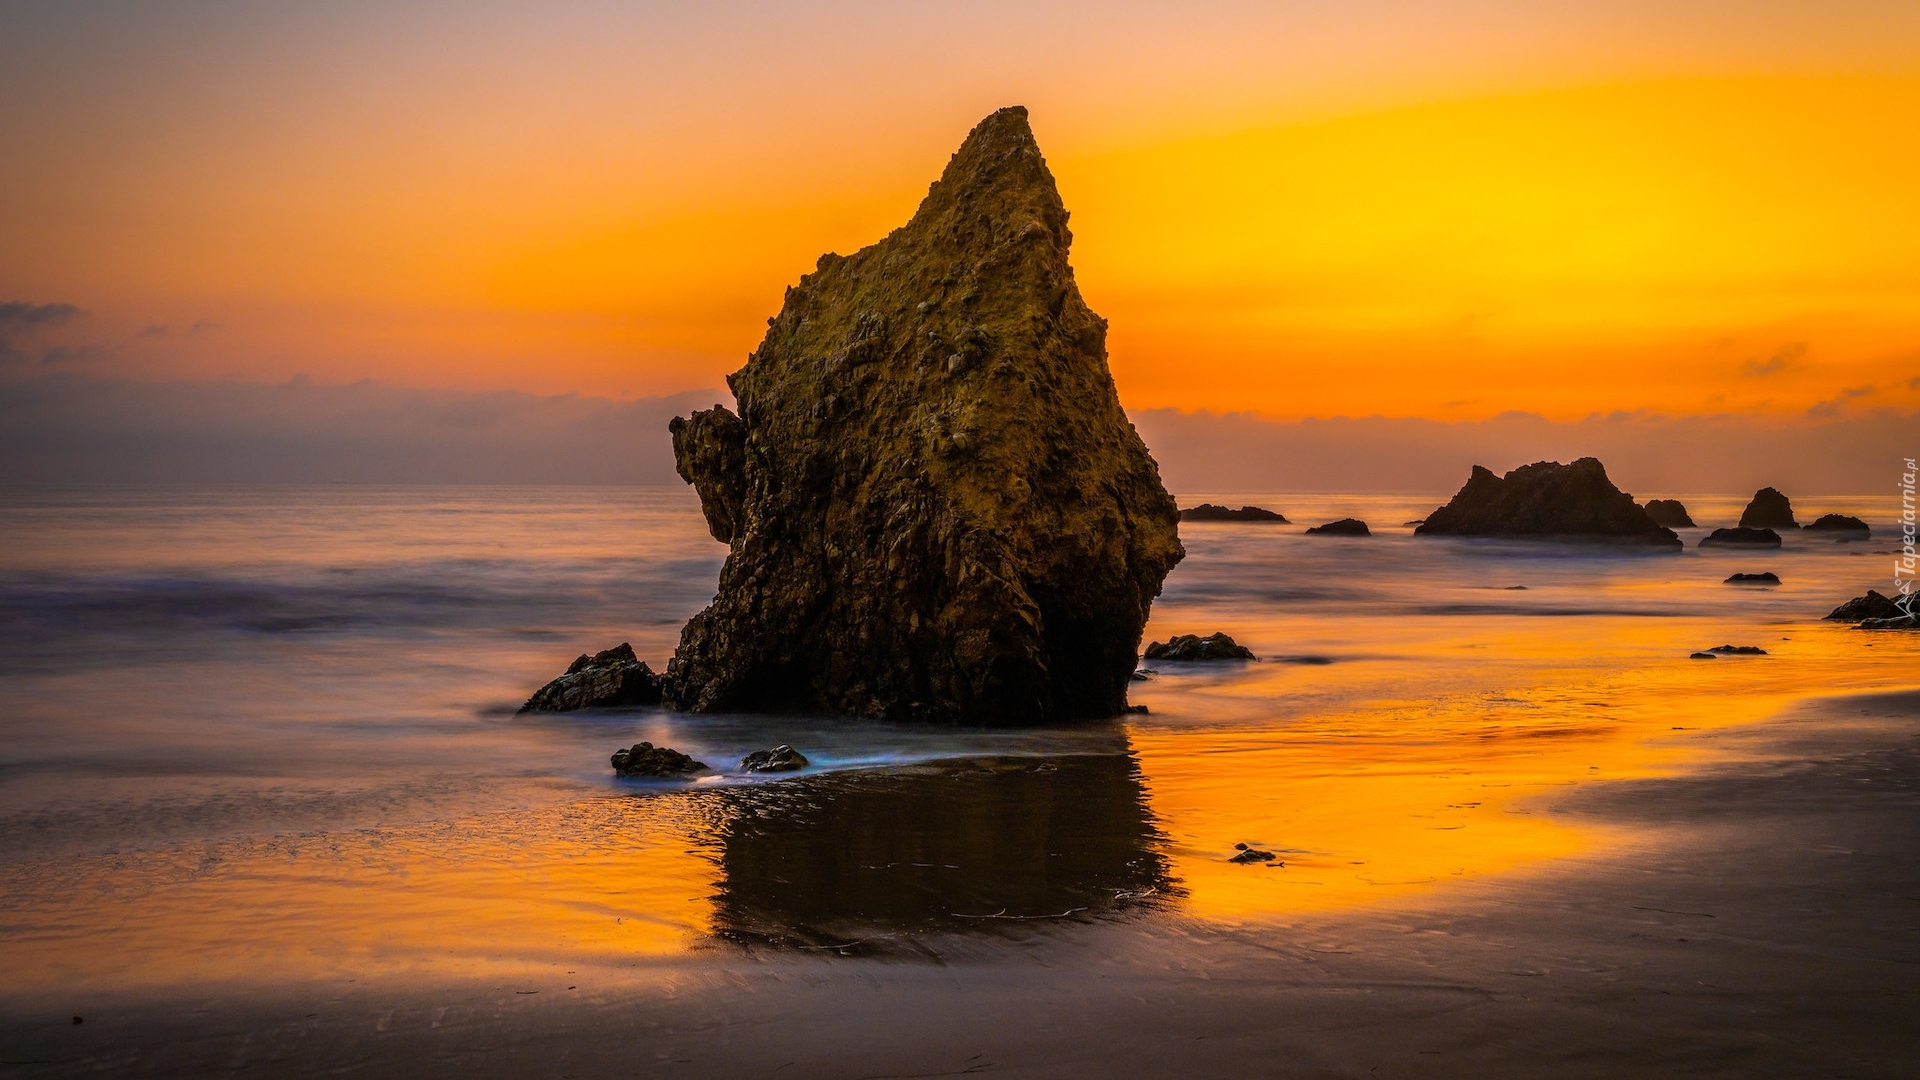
(1759, 916)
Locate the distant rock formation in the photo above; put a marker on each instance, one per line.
(1741, 537)
(613, 677)
(1767, 578)
(1547, 500)
(1190, 647)
(936, 508)
(1871, 606)
(1210, 512)
(1842, 525)
(1671, 513)
(1343, 527)
(1768, 510)
(648, 761)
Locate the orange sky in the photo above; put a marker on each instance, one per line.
(1428, 210)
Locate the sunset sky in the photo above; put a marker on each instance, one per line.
(1443, 211)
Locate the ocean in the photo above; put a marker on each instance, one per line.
(262, 741)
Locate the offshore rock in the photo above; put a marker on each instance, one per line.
(1843, 524)
(782, 758)
(1871, 606)
(1768, 510)
(1741, 537)
(1765, 578)
(652, 762)
(1210, 512)
(1671, 513)
(1215, 646)
(1547, 500)
(1343, 527)
(613, 677)
(934, 505)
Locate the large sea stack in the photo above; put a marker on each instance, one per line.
(1547, 500)
(934, 505)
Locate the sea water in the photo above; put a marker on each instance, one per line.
(271, 735)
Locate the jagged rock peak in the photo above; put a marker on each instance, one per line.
(934, 505)
(1547, 499)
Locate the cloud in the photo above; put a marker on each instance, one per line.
(156, 330)
(1914, 383)
(202, 326)
(1783, 356)
(18, 314)
(1831, 407)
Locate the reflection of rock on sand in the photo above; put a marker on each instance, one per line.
(860, 861)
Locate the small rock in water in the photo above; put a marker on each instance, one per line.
(1843, 524)
(1143, 674)
(1741, 537)
(1897, 622)
(613, 677)
(1671, 513)
(1215, 646)
(1343, 527)
(1210, 512)
(1136, 708)
(1768, 510)
(1767, 578)
(782, 758)
(1738, 650)
(1871, 606)
(656, 762)
(1703, 656)
(1251, 855)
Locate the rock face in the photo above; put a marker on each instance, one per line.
(654, 762)
(1766, 578)
(613, 677)
(1343, 527)
(1841, 524)
(1546, 500)
(1215, 646)
(782, 758)
(935, 507)
(1768, 510)
(1741, 537)
(1871, 606)
(1671, 513)
(1210, 512)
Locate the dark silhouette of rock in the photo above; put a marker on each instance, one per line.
(936, 508)
(1767, 578)
(1547, 500)
(1897, 622)
(1738, 650)
(782, 758)
(1210, 512)
(613, 677)
(1741, 537)
(1671, 513)
(1871, 606)
(1702, 656)
(1215, 646)
(1343, 527)
(652, 762)
(1251, 855)
(1768, 510)
(1843, 524)
(1414, 524)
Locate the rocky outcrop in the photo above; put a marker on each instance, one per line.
(1210, 512)
(1871, 606)
(934, 505)
(1671, 513)
(782, 758)
(650, 762)
(1547, 500)
(1343, 527)
(613, 677)
(1741, 537)
(1768, 510)
(1215, 646)
(1841, 525)
(1766, 578)
(1738, 650)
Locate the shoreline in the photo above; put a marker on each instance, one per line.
(1758, 914)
